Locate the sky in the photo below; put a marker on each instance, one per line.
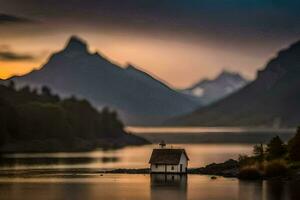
(179, 41)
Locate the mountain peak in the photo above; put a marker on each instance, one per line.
(130, 66)
(211, 90)
(226, 73)
(77, 44)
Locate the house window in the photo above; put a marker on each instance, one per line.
(172, 168)
(156, 165)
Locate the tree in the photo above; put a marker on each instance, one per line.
(26, 116)
(294, 147)
(12, 85)
(25, 89)
(46, 91)
(276, 148)
(47, 94)
(259, 152)
(8, 121)
(43, 121)
(110, 124)
(34, 91)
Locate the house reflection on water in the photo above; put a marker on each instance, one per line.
(168, 186)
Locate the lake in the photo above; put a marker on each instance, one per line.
(200, 135)
(74, 175)
(146, 187)
(128, 157)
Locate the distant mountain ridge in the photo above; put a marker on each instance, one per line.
(271, 100)
(209, 91)
(139, 98)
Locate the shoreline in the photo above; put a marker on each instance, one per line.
(227, 169)
(210, 170)
(85, 145)
(67, 173)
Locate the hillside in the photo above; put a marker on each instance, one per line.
(33, 121)
(271, 100)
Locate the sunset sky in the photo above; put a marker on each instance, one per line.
(179, 41)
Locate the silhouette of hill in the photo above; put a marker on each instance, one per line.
(271, 100)
(33, 121)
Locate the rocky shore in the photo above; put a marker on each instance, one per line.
(229, 168)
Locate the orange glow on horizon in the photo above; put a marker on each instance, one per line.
(10, 68)
(177, 63)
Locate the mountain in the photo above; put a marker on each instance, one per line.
(271, 100)
(209, 91)
(139, 98)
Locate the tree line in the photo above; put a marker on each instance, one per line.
(31, 114)
(273, 159)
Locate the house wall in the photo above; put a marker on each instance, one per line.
(184, 162)
(176, 168)
(159, 168)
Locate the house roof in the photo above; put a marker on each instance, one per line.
(167, 156)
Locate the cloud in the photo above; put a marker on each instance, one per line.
(228, 21)
(10, 19)
(6, 55)
(4, 47)
(242, 24)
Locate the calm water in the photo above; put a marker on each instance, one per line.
(196, 135)
(137, 187)
(129, 157)
(74, 175)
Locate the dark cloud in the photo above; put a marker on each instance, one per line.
(232, 22)
(10, 19)
(225, 20)
(6, 55)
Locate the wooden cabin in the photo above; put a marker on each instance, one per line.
(168, 160)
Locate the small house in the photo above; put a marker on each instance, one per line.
(168, 160)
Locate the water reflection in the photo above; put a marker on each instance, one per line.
(275, 190)
(293, 189)
(200, 155)
(193, 135)
(146, 187)
(249, 190)
(269, 190)
(168, 186)
(15, 161)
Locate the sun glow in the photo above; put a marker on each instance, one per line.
(9, 69)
